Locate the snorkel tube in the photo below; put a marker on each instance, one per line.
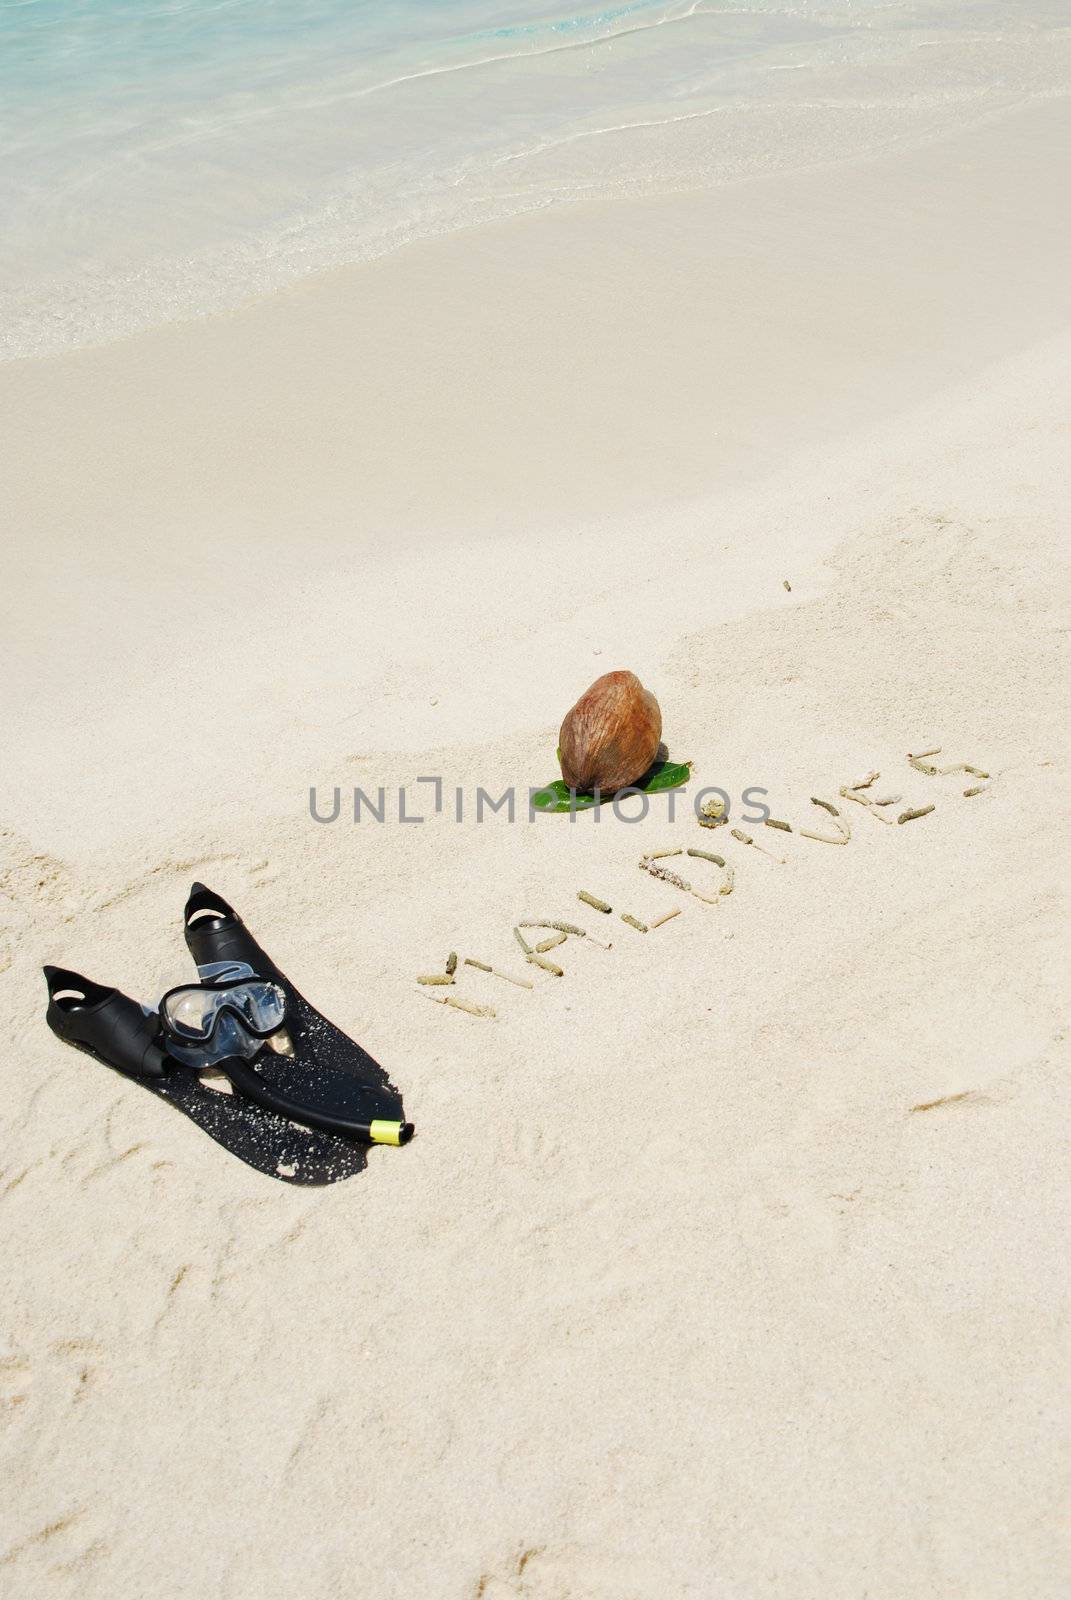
(226, 1022)
(249, 1082)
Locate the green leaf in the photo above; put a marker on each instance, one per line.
(664, 775)
(557, 797)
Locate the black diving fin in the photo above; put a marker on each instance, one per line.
(216, 934)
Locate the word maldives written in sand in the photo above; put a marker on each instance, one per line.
(713, 813)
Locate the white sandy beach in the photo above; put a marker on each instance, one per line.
(733, 1263)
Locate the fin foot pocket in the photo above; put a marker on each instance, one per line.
(106, 1023)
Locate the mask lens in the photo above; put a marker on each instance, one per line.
(189, 1013)
(261, 1005)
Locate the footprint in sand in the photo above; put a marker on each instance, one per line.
(571, 1573)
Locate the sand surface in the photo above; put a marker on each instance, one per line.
(733, 1263)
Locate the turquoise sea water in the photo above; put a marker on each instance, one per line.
(164, 157)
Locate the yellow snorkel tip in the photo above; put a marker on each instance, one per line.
(390, 1132)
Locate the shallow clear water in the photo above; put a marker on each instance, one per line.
(166, 157)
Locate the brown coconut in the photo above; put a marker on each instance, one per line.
(611, 736)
